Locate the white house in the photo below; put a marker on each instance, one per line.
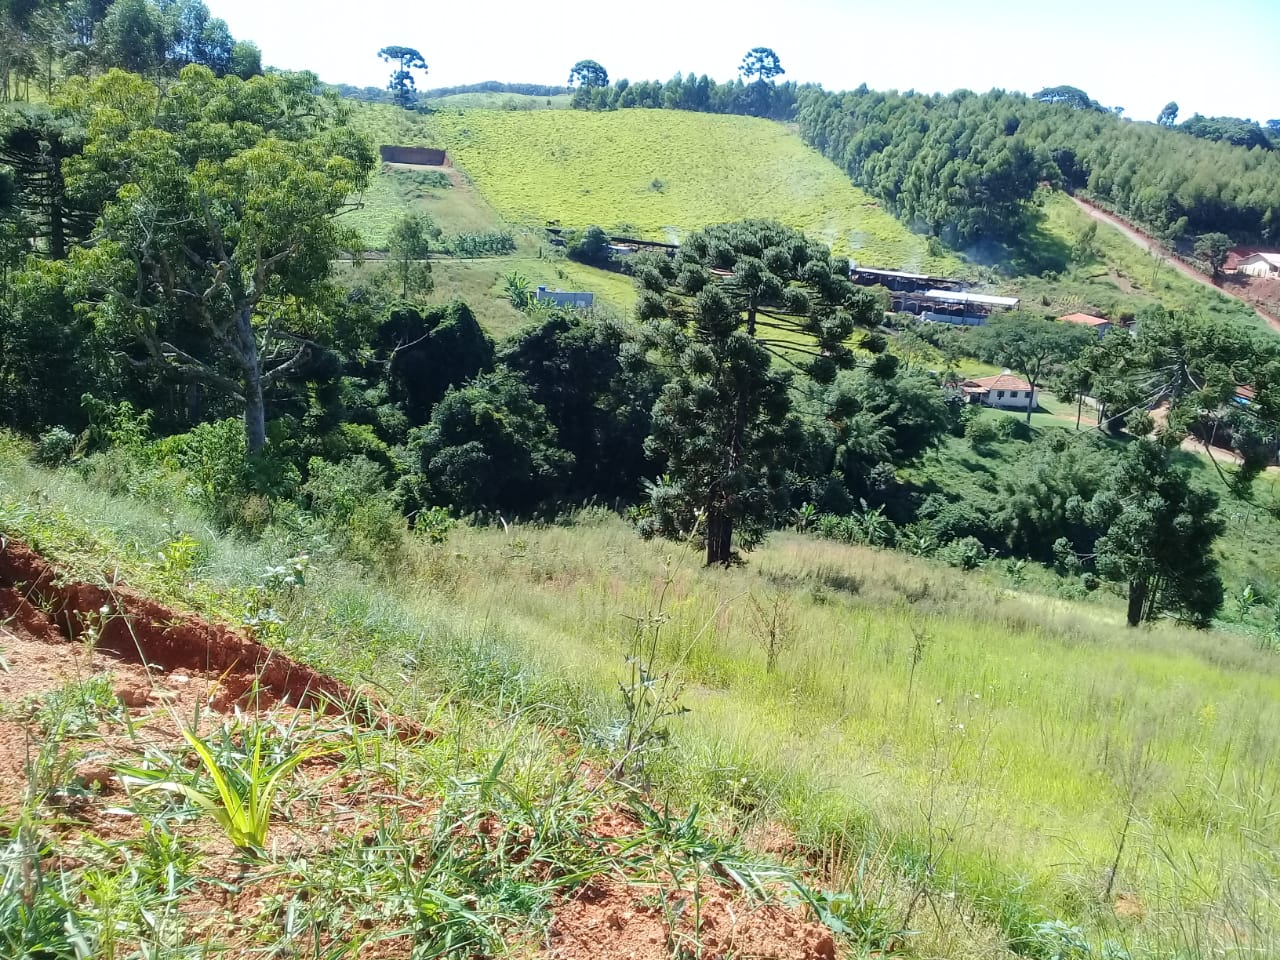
(1260, 265)
(1099, 325)
(1004, 391)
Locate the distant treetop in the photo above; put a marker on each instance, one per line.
(761, 63)
(588, 73)
(1068, 96)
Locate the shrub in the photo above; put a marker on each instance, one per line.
(967, 553)
(54, 447)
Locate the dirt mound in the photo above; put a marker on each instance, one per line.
(54, 608)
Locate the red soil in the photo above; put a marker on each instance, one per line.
(165, 665)
(137, 629)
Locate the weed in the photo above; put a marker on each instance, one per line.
(245, 784)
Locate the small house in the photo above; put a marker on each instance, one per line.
(1100, 325)
(1261, 265)
(1003, 391)
(576, 300)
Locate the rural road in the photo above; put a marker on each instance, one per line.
(1152, 247)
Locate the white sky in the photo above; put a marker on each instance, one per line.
(1138, 54)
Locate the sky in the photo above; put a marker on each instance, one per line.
(1137, 54)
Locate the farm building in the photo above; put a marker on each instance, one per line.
(566, 298)
(1100, 325)
(1265, 265)
(1003, 391)
(948, 306)
(901, 281)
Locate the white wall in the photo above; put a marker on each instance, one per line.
(1259, 269)
(1010, 402)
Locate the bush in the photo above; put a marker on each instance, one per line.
(351, 501)
(54, 447)
(967, 553)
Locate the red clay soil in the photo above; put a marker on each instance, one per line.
(137, 629)
(164, 665)
(611, 918)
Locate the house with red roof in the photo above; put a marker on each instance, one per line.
(1099, 324)
(1005, 391)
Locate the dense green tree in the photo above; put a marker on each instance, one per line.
(590, 376)
(488, 447)
(1213, 249)
(425, 352)
(403, 88)
(736, 310)
(246, 60)
(588, 73)
(762, 64)
(862, 426)
(1159, 537)
(1031, 345)
(35, 143)
(1232, 130)
(133, 36)
(219, 222)
(1168, 114)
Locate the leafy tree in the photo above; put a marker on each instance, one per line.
(588, 73)
(1159, 536)
(216, 269)
(488, 447)
(402, 86)
(591, 378)
(246, 60)
(426, 353)
(1068, 96)
(1031, 345)
(1213, 249)
(738, 307)
(408, 247)
(35, 144)
(133, 36)
(761, 63)
(1168, 115)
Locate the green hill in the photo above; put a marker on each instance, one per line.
(662, 173)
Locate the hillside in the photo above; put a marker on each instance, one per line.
(924, 733)
(662, 173)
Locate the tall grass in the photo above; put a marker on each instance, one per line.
(986, 748)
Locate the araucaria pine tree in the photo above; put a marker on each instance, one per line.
(739, 317)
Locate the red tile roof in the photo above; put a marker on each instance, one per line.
(1001, 381)
(1086, 319)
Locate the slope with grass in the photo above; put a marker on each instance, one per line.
(963, 758)
(664, 173)
(1116, 278)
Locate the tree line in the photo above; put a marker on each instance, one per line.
(43, 40)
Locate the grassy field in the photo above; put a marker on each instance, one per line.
(664, 173)
(447, 197)
(974, 761)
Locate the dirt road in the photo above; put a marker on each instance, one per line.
(1153, 247)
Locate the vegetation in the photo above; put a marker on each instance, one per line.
(586, 169)
(391, 489)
